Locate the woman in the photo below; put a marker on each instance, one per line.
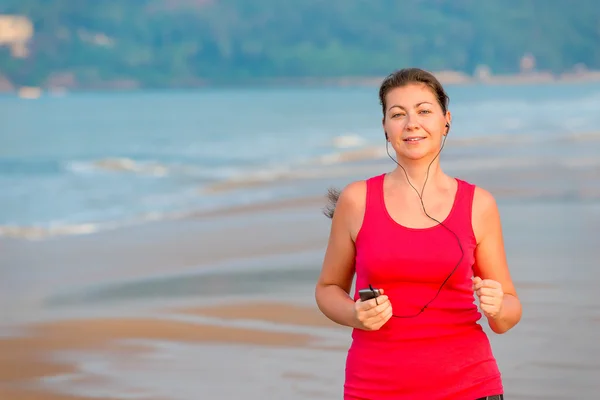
(426, 252)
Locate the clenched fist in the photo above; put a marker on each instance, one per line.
(490, 296)
(374, 313)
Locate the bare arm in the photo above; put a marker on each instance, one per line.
(490, 261)
(332, 291)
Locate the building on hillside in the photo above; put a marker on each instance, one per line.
(16, 31)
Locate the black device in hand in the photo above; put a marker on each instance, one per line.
(368, 294)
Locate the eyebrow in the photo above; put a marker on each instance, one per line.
(416, 105)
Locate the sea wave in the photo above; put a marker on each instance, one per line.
(344, 149)
(324, 165)
(56, 229)
(119, 165)
(210, 186)
(150, 168)
(40, 232)
(348, 141)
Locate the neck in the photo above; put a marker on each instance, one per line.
(416, 171)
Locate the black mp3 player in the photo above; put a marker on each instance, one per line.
(368, 294)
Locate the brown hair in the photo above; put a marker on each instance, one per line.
(333, 195)
(397, 79)
(407, 76)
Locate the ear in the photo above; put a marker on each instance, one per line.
(448, 121)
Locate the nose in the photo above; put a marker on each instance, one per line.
(411, 123)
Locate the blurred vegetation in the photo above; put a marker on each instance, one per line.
(161, 43)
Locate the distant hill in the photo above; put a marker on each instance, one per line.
(167, 43)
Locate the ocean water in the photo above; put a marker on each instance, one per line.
(83, 162)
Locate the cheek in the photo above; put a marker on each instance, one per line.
(433, 127)
(431, 123)
(394, 126)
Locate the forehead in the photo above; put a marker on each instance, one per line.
(410, 94)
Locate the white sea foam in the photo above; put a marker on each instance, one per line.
(348, 141)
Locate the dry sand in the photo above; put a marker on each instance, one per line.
(263, 311)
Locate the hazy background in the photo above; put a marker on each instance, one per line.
(191, 43)
(163, 167)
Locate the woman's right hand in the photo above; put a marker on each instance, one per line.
(373, 313)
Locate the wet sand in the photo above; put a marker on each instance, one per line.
(27, 358)
(266, 311)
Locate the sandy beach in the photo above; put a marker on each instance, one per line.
(196, 305)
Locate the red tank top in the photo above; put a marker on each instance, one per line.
(443, 353)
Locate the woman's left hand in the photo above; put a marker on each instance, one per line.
(490, 296)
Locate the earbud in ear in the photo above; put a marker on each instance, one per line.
(386, 136)
(447, 128)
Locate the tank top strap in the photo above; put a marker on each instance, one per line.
(374, 200)
(463, 209)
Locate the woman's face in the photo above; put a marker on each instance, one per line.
(414, 121)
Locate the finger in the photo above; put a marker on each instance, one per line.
(381, 319)
(385, 310)
(373, 303)
(388, 313)
(373, 312)
(489, 310)
(488, 300)
(377, 299)
(489, 283)
(486, 291)
(379, 302)
(476, 282)
(368, 304)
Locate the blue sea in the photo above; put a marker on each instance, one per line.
(82, 162)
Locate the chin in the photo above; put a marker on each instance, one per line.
(415, 155)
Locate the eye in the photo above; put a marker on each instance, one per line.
(424, 112)
(397, 115)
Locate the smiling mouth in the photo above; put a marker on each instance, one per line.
(413, 139)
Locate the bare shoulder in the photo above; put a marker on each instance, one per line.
(349, 205)
(483, 200)
(485, 215)
(354, 194)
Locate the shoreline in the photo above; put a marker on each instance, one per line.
(446, 77)
(509, 185)
(506, 166)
